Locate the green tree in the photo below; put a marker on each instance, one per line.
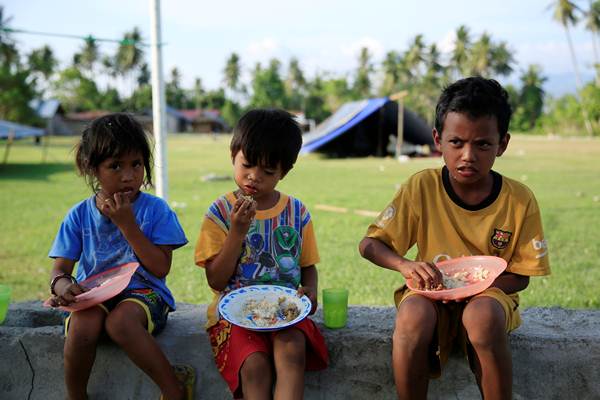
(41, 63)
(9, 55)
(295, 85)
(592, 24)
(391, 73)
(87, 58)
(110, 100)
(362, 82)
(565, 13)
(15, 96)
(461, 52)
(415, 57)
(143, 75)
(175, 94)
(531, 98)
(198, 93)
(232, 72)
(481, 56)
(268, 89)
(42, 60)
(140, 99)
(129, 55)
(75, 91)
(314, 105)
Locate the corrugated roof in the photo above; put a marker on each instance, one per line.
(45, 108)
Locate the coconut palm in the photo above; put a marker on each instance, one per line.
(531, 98)
(42, 60)
(501, 59)
(362, 83)
(129, 54)
(232, 72)
(295, 85)
(460, 53)
(480, 62)
(592, 24)
(8, 51)
(391, 73)
(565, 12)
(414, 56)
(88, 56)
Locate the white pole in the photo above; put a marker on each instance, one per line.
(158, 104)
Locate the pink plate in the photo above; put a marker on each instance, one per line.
(103, 286)
(494, 265)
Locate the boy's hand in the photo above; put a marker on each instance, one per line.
(424, 275)
(311, 293)
(242, 215)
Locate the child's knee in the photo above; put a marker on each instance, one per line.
(484, 321)
(257, 369)
(289, 346)
(416, 317)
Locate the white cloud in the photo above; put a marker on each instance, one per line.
(263, 49)
(376, 48)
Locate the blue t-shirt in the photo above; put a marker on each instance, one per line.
(89, 237)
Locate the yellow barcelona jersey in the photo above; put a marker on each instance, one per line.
(428, 213)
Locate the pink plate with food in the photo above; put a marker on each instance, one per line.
(464, 277)
(102, 287)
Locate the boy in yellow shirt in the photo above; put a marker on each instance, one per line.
(464, 208)
(257, 235)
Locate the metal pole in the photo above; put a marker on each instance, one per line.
(158, 104)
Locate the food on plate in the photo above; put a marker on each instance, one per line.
(267, 312)
(462, 278)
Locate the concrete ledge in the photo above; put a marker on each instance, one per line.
(556, 355)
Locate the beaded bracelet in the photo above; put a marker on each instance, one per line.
(59, 277)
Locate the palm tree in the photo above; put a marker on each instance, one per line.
(391, 75)
(8, 51)
(295, 85)
(42, 60)
(88, 57)
(414, 56)
(531, 98)
(592, 23)
(481, 56)
(502, 59)
(460, 54)
(362, 83)
(565, 14)
(232, 72)
(129, 54)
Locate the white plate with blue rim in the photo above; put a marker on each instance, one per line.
(262, 307)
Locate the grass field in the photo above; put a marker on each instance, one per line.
(563, 173)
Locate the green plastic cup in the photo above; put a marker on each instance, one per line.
(4, 301)
(335, 307)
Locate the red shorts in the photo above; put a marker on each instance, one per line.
(231, 346)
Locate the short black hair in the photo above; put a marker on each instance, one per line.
(476, 97)
(112, 135)
(268, 137)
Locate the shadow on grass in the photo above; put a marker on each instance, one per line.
(32, 171)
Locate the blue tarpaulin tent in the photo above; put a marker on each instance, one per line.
(17, 131)
(365, 127)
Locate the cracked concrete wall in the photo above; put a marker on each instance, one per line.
(556, 355)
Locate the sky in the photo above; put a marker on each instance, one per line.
(325, 35)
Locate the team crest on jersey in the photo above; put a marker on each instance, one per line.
(500, 238)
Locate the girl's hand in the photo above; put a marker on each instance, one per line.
(117, 208)
(311, 293)
(242, 215)
(425, 275)
(66, 294)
